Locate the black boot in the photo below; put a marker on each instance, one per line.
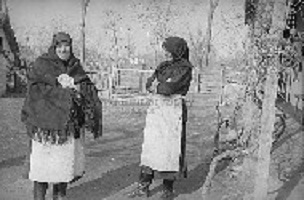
(145, 180)
(142, 190)
(167, 190)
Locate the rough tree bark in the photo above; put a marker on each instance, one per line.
(270, 23)
(265, 138)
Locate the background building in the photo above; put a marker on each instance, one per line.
(9, 50)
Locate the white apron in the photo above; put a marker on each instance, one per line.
(56, 163)
(161, 149)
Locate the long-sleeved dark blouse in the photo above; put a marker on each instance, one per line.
(174, 77)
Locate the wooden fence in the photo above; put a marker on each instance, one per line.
(130, 81)
(120, 81)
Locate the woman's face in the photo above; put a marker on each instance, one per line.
(167, 54)
(63, 51)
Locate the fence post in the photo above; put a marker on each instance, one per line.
(111, 81)
(141, 79)
(118, 77)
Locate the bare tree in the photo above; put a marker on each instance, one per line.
(112, 27)
(197, 42)
(270, 29)
(213, 5)
(155, 16)
(129, 46)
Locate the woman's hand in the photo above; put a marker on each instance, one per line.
(153, 87)
(66, 81)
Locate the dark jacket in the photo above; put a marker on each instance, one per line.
(180, 74)
(178, 70)
(48, 105)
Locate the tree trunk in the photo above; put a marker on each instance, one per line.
(83, 9)
(117, 78)
(270, 11)
(265, 138)
(212, 6)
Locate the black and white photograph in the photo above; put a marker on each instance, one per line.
(151, 99)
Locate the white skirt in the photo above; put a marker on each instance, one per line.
(161, 149)
(54, 163)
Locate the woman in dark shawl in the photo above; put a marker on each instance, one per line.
(163, 149)
(54, 114)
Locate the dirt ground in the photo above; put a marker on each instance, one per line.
(112, 161)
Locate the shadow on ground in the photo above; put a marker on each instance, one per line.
(12, 162)
(108, 184)
(116, 180)
(285, 191)
(193, 182)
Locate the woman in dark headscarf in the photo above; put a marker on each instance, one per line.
(163, 149)
(53, 114)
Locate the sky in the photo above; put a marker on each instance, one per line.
(37, 20)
